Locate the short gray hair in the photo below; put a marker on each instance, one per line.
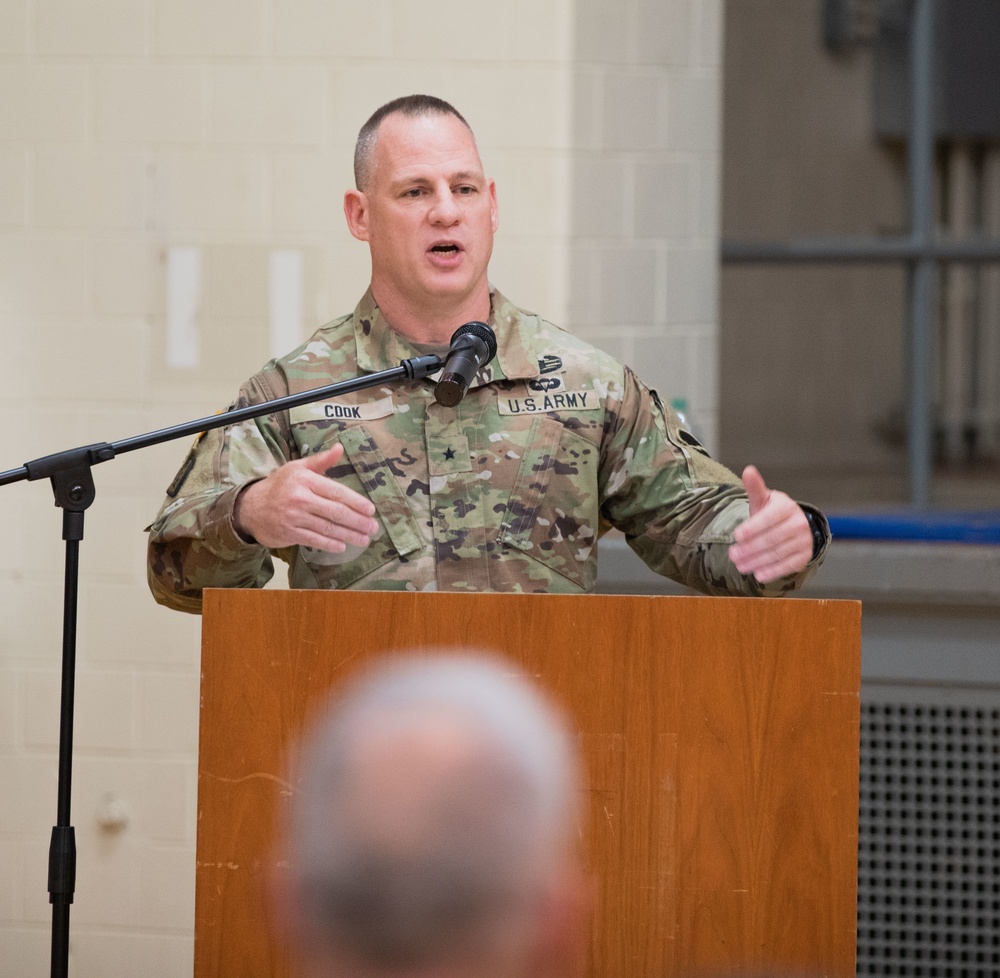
(476, 850)
(408, 105)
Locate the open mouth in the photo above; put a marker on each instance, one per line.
(445, 249)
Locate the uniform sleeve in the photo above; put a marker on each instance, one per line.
(678, 507)
(193, 542)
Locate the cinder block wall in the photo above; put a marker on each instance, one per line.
(645, 205)
(171, 176)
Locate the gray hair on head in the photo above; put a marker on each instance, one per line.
(408, 105)
(436, 798)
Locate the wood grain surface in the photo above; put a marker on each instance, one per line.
(720, 737)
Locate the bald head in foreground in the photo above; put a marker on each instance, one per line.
(434, 829)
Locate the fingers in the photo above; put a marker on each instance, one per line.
(766, 507)
(337, 515)
(756, 489)
(322, 461)
(298, 504)
(776, 541)
(334, 525)
(321, 513)
(329, 490)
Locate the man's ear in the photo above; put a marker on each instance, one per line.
(563, 917)
(494, 208)
(356, 212)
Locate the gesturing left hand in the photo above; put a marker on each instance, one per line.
(776, 539)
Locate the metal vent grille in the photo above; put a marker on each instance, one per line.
(929, 839)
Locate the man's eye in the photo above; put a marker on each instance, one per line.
(413, 192)
(465, 190)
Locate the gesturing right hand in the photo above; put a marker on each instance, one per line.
(299, 504)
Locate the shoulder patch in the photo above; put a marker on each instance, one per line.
(690, 440)
(184, 471)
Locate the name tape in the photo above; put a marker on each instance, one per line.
(339, 411)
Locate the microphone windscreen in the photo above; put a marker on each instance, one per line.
(472, 346)
(484, 332)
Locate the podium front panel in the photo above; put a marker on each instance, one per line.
(720, 738)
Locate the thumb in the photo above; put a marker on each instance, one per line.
(322, 461)
(756, 489)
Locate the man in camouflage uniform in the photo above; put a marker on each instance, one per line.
(507, 491)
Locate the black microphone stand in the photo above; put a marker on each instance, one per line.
(73, 487)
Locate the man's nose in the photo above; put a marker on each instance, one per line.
(445, 209)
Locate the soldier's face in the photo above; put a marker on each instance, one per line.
(428, 213)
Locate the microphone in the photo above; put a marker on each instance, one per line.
(472, 346)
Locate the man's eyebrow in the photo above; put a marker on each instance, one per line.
(420, 181)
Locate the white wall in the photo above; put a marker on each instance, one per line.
(158, 159)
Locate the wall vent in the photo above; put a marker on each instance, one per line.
(929, 836)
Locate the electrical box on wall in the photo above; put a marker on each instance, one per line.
(966, 69)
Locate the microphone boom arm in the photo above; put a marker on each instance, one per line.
(46, 467)
(73, 487)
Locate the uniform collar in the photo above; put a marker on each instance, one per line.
(380, 347)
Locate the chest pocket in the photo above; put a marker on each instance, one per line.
(552, 514)
(365, 469)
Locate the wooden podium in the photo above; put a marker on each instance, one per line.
(720, 737)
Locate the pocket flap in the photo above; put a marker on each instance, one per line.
(382, 487)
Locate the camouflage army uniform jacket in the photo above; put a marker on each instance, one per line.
(507, 491)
